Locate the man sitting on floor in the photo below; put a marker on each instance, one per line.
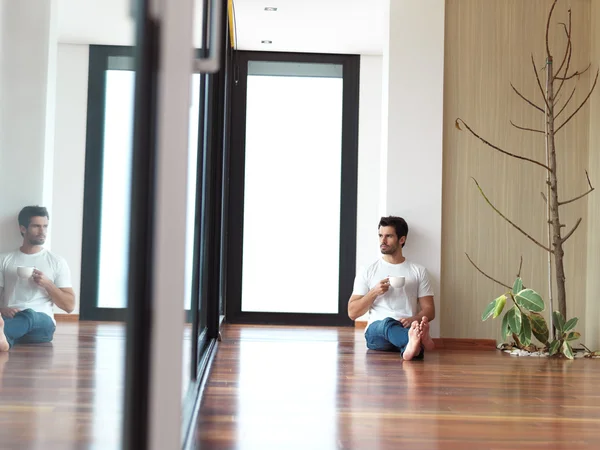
(32, 280)
(395, 323)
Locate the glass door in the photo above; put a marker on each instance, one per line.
(172, 218)
(293, 191)
(109, 148)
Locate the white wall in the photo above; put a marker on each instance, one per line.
(69, 157)
(413, 78)
(369, 154)
(27, 38)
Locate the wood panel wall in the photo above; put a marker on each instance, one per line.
(488, 45)
(592, 322)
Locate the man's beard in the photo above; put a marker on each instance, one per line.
(388, 250)
(37, 241)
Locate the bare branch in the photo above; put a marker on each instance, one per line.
(587, 175)
(582, 195)
(548, 28)
(508, 220)
(576, 198)
(520, 267)
(569, 53)
(567, 102)
(573, 75)
(497, 148)
(544, 197)
(569, 44)
(580, 106)
(526, 129)
(524, 98)
(568, 235)
(537, 76)
(486, 275)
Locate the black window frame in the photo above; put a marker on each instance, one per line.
(348, 197)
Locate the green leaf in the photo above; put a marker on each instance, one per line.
(530, 300)
(505, 327)
(559, 321)
(570, 325)
(573, 336)
(554, 347)
(489, 310)
(525, 334)
(567, 350)
(514, 320)
(539, 327)
(517, 286)
(500, 302)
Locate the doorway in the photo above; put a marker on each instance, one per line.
(292, 209)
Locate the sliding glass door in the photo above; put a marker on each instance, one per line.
(293, 198)
(111, 88)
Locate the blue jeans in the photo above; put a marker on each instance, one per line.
(388, 335)
(28, 327)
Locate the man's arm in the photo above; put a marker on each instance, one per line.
(427, 310)
(360, 304)
(5, 311)
(64, 298)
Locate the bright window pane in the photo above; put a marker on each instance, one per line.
(292, 190)
(116, 188)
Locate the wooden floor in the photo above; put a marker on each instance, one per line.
(67, 394)
(317, 388)
(306, 388)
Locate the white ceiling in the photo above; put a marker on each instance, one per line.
(313, 26)
(325, 26)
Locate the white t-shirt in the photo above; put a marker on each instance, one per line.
(23, 294)
(397, 303)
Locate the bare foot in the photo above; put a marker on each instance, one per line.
(425, 338)
(414, 342)
(4, 347)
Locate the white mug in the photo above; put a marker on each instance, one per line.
(25, 271)
(397, 282)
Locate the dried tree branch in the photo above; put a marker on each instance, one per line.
(508, 220)
(580, 106)
(575, 74)
(569, 43)
(526, 99)
(520, 267)
(486, 275)
(582, 195)
(526, 129)
(569, 53)
(576, 198)
(498, 148)
(567, 102)
(537, 76)
(548, 28)
(568, 235)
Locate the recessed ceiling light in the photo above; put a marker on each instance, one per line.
(266, 41)
(270, 8)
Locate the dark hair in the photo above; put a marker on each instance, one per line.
(398, 223)
(31, 211)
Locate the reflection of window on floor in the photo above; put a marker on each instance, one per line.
(292, 193)
(114, 228)
(268, 368)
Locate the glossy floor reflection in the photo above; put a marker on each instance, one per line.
(319, 388)
(67, 394)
